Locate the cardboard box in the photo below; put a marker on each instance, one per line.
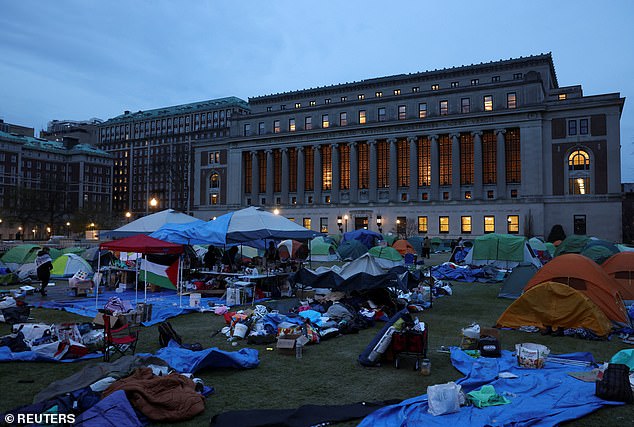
(490, 332)
(98, 320)
(286, 344)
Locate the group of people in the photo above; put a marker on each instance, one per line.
(232, 261)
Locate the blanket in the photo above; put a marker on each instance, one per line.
(169, 398)
(539, 397)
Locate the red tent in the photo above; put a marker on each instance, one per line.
(142, 244)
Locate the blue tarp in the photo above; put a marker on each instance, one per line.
(175, 233)
(539, 397)
(114, 410)
(187, 361)
(30, 356)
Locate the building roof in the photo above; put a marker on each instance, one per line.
(53, 146)
(179, 109)
(483, 66)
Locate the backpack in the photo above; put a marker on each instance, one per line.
(615, 384)
(167, 333)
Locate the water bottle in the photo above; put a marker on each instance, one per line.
(298, 351)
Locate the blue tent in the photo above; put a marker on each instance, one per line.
(351, 249)
(367, 237)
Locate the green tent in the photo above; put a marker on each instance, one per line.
(73, 250)
(386, 252)
(21, 254)
(503, 247)
(351, 249)
(323, 249)
(69, 264)
(599, 250)
(389, 238)
(572, 245)
(551, 248)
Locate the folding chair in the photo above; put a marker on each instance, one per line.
(119, 340)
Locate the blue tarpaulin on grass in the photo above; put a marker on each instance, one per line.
(114, 410)
(539, 397)
(30, 356)
(187, 361)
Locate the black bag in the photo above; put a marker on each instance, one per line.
(489, 347)
(615, 384)
(167, 333)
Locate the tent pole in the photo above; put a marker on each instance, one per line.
(145, 281)
(180, 281)
(136, 281)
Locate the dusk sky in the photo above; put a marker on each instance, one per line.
(78, 59)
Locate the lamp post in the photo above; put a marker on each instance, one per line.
(398, 228)
(68, 229)
(153, 202)
(20, 233)
(345, 218)
(34, 231)
(128, 215)
(276, 211)
(379, 223)
(48, 232)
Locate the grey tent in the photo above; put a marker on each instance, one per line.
(514, 284)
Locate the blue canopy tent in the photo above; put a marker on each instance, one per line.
(367, 237)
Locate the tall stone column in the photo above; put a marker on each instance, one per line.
(435, 168)
(393, 174)
(255, 179)
(301, 176)
(501, 164)
(373, 171)
(354, 173)
(413, 168)
(269, 178)
(455, 167)
(285, 174)
(335, 187)
(477, 165)
(317, 175)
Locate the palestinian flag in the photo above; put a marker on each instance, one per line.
(165, 276)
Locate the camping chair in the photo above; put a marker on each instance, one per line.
(120, 340)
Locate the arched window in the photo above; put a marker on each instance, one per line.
(214, 181)
(579, 172)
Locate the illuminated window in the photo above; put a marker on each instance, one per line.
(307, 223)
(362, 117)
(309, 168)
(443, 224)
(344, 166)
(466, 159)
(378, 94)
(292, 169)
(513, 158)
(343, 119)
(488, 103)
(415, 89)
(402, 163)
(344, 98)
(308, 123)
(444, 108)
(444, 154)
(262, 171)
(465, 224)
(562, 96)
(298, 105)
(475, 82)
(422, 224)
(276, 126)
(277, 171)
(312, 103)
(363, 171)
(383, 164)
(360, 97)
(465, 105)
(327, 101)
(397, 91)
(511, 100)
(401, 225)
(445, 195)
(214, 181)
(326, 167)
(579, 160)
(425, 196)
(489, 224)
(324, 121)
(495, 79)
(435, 87)
(455, 84)
(579, 172)
(467, 195)
(323, 225)
(424, 162)
(381, 114)
(513, 224)
(518, 76)
(402, 112)
(489, 158)
(291, 125)
(214, 157)
(214, 199)
(422, 110)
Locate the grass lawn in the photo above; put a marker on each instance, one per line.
(328, 373)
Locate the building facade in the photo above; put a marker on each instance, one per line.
(492, 147)
(153, 152)
(85, 131)
(45, 183)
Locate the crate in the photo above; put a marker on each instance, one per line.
(409, 344)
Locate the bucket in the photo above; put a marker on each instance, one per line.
(425, 367)
(530, 355)
(240, 330)
(194, 300)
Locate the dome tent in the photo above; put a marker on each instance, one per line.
(501, 250)
(386, 256)
(323, 250)
(351, 249)
(69, 264)
(404, 247)
(620, 267)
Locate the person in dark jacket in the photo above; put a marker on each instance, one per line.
(44, 264)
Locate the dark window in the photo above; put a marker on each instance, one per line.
(583, 126)
(402, 159)
(444, 107)
(309, 168)
(572, 127)
(292, 169)
(381, 114)
(344, 166)
(261, 128)
(513, 157)
(465, 105)
(308, 123)
(363, 165)
(579, 224)
(489, 156)
(495, 79)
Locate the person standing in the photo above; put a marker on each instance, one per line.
(426, 247)
(44, 264)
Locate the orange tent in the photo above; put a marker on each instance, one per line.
(585, 275)
(555, 305)
(404, 247)
(620, 267)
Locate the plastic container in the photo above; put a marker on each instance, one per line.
(194, 300)
(530, 355)
(425, 367)
(240, 330)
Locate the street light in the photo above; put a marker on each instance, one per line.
(48, 231)
(345, 218)
(276, 211)
(379, 223)
(68, 229)
(153, 202)
(34, 231)
(340, 223)
(128, 215)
